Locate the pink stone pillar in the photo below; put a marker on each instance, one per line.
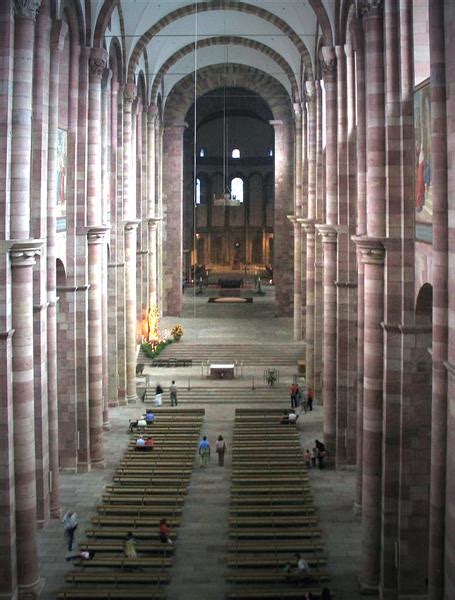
(360, 231)
(151, 200)
(329, 241)
(173, 186)
(96, 240)
(283, 246)
(373, 257)
(130, 300)
(22, 255)
(442, 486)
(342, 275)
(38, 230)
(308, 226)
(298, 167)
(129, 212)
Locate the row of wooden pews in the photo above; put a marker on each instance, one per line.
(147, 486)
(272, 515)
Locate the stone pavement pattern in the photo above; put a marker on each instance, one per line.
(199, 567)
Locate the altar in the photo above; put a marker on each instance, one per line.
(222, 371)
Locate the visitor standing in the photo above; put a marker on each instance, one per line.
(173, 393)
(70, 522)
(294, 390)
(310, 396)
(220, 450)
(204, 451)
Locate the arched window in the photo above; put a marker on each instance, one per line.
(202, 152)
(236, 153)
(198, 191)
(237, 189)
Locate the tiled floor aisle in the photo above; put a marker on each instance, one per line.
(198, 571)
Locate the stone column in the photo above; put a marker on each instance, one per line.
(96, 240)
(308, 226)
(283, 247)
(130, 301)
(151, 201)
(329, 241)
(59, 31)
(297, 277)
(442, 488)
(22, 256)
(342, 276)
(372, 255)
(172, 222)
(360, 231)
(298, 167)
(129, 213)
(95, 248)
(38, 230)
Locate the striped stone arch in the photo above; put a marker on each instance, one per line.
(234, 75)
(70, 11)
(232, 40)
(324, 22)
(217, 5)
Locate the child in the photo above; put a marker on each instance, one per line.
(307, 458)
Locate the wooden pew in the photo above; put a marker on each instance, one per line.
(275, 547)
(131, 523)
(121, 562)
(109, 500)
(149, 532)
(179, 488)
(268, 561)
(112, 594)
(142, 547)
(114, 577)
(289, 520)
(273, 576)
(273, 533)
(162, 510)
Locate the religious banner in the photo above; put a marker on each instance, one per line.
(422, 126)
(61, 179)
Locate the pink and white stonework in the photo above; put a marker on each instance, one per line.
(96, 227)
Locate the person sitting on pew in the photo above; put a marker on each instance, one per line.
(129, 546)
(165, 530)
(300, 573)
(149, 416)
(149, 443)
(289, 417)
(82, 555)
(140, 443)
(135, 424)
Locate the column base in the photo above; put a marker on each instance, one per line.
(367, 589)
(357, 509)
(55, 512)
(98, 465)
(389, 594)
(83, 467)
(31, 591)
(132, 399)
(107, 426)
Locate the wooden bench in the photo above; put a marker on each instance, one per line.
(133, 469)
(137, 480)
(111, 500)
(273, 533)
(274, 576)
(162, 510)
(268, 561)
(274, 592)
(121, 562)
(284, 509)
(269, 488)
(113, 594)
(150, 578)
(131, 522)
(274, 547)
(171, 362)
(143, 547)
(139, 531)
(288, 520)
(180, 488)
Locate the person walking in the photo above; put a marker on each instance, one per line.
(204, 451)
(310, 396)
(158, 395)
(70, 522)
(173, 393)
(220, 449)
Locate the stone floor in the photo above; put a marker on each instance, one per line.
(198, 570)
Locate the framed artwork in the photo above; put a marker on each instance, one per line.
(423, 193)
(61, 179)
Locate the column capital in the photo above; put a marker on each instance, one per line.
(292, 218)
(370, 8)
(276, 123)
(97, 62)
(154, 220)
(26, 8)
(297, 110)
(95, 235)
(328, 62)
(22, 253)
(327, 232)
(308, 225)
(310, 91)
(131, 224)
(371, 249)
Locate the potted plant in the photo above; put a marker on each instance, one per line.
(177, 332)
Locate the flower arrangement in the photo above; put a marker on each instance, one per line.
(177, 331)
